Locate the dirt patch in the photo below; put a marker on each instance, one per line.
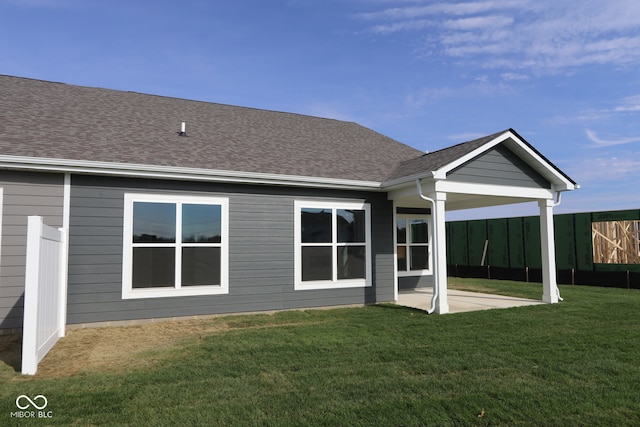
(119, 349)
(126, 348)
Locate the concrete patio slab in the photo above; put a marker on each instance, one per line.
(461, 301)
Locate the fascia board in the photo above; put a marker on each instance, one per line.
(534, 160)
(560, 182)
(402, 182)
(494, 190)
(455, 187)
(179, 173)
(443, 171)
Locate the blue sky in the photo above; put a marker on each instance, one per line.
(564, 74)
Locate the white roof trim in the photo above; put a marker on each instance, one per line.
(179, 173)
(443, 171)
(494, 190)
(402, 181)
(559, 181)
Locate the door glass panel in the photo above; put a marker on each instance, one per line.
(419, 257)
(402, 258)
(401, 230)
(419, 231)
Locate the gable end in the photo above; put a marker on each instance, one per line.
(499, 166)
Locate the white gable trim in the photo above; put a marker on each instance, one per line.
(520, 148)
(443, 171)
(561, 183)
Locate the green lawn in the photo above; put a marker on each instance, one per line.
(573, 363)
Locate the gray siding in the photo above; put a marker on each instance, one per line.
(24, 194)
(412, 282)
(499, 166)
(261, 267)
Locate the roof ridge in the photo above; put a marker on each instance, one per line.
(451, 147)
(177, 98)
(488, 137)
(86, 123)
(435, 159)
(33, 79)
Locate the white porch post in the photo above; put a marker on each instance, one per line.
(440, 252)
(549, 284)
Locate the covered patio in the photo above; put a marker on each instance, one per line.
(462, 301)
(496, 170)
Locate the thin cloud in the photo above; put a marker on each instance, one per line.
(478, 22)
(621, 112)
(456, 9)
(605, 168)
(463, 137)
(514, 77)
(601, 142)
(629, 104)
(400, 26)
(481, 87)
(541, 36)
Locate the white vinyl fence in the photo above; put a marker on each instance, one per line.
(44, 294)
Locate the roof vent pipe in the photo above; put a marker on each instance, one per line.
(183, 129)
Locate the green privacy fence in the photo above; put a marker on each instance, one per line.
(509, 248)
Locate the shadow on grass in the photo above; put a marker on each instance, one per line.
(11, 351)
(398, 307)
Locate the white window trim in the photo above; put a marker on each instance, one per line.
(128, 292)
(334, 283)
(409, 273)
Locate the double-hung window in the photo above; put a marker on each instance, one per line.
(412, 245)
(332, 244)
(174, 246)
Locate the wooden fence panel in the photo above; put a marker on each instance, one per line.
(616, 242)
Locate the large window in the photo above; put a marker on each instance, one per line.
(174, 245)
(412, 245)
(332, 245)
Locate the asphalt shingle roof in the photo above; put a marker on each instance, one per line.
(61, 121)
(435, 160)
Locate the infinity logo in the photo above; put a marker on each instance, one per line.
(33, 403)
